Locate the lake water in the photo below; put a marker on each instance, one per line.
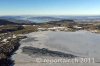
(82, 43)
(79, 43)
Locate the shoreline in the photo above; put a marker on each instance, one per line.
(8, 52)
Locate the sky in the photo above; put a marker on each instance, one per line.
(49, 7)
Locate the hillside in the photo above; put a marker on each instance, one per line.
(6, 22)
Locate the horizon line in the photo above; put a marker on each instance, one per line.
(49, 15)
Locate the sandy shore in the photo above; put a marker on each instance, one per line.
(81, 44)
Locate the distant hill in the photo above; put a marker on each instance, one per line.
(30, 19)
(51, 19)
(6, 22)
(41, 19)
(19, 21)
(61, 21)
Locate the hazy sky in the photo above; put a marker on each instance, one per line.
(49, 7)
